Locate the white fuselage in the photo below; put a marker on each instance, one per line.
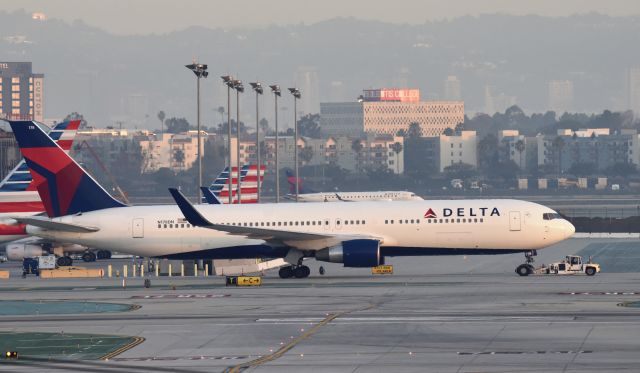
(357, 196)
(460, 224)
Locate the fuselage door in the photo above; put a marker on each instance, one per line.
(137, 228)
(514, 220)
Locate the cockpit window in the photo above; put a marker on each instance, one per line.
(551, 216)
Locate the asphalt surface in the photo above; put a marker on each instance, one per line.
(434, 314)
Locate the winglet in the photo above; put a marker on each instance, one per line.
(190, 213)
(209, 196)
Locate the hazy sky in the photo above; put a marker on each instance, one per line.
(160, 16)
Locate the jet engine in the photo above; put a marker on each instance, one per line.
(19, 251)
(353, 253)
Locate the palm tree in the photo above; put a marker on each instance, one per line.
(397, 148)
(520, 148)
(161, 116)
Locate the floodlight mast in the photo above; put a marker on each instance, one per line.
(257, 87)
(296, 95)
(200, 70)
(276, 93)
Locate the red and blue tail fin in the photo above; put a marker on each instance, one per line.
(19, 179)
(64, 187)
(291, 179)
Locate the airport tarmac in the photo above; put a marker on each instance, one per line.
(434, 314)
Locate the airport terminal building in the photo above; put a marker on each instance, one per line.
(387, 111)
(21, 92)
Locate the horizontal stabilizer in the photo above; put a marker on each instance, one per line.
(55, 225)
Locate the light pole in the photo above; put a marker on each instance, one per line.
(228, 81)
(277, 93)
(239, 89)
(296, 95)
(201, 72)
(257, 87)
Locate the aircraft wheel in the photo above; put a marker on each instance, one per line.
(321, 270)
(590, 271)
(300, 272)
(523, 270)
(89, 257)
(307, 271)
(64, 261)
(108, 254)
(285, 272)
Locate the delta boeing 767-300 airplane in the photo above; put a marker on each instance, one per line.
(355, 234)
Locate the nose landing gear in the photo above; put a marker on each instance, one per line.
(527, 268)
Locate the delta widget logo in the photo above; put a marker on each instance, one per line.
(430, 214)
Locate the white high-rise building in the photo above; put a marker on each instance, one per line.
(560, 96)
(452, 89)
(633, 90)
(496, 102)
(307, 82)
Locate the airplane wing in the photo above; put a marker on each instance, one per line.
(54, 225)
(273, 235)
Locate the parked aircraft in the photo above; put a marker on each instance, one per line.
(357, 235)
(18, 196)
(307, 195)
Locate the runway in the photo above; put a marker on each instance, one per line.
(436, 314)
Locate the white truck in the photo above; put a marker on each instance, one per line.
(570, 265)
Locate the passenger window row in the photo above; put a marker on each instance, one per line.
(181, 225)
(435, 221)
(271, 224)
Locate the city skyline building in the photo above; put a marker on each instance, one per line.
(307, 82)
(21, 92)
(497, 102)
(388, 111)
(560, 96)
(452, 88)
(633, 90)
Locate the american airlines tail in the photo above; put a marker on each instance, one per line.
(248, 184)
(64, 187)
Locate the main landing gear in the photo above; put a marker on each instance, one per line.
(527, 268)
(300, 271)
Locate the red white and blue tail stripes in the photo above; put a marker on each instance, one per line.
(248, 184)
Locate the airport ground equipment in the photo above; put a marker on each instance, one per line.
(36, 264)
(570, 265)
(47, 262)
(29, 266)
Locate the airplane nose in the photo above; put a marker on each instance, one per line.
(569, 228)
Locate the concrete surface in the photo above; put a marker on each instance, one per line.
(435, 314)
